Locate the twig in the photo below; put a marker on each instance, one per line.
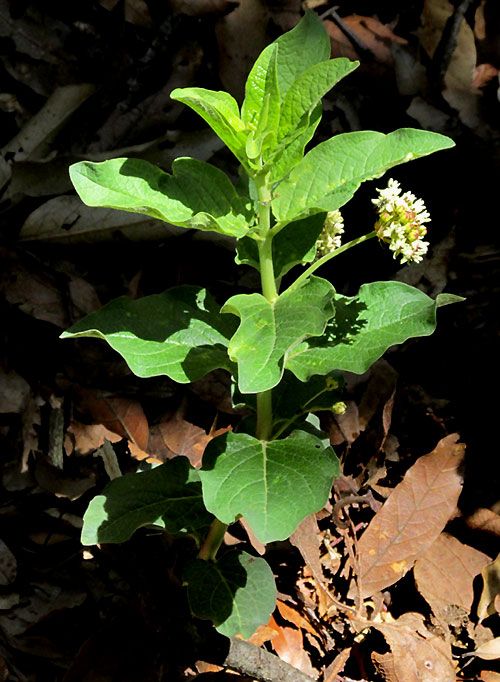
(259, 664)
(447, 45)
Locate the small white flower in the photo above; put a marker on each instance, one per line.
(401, 222)
(331, 236)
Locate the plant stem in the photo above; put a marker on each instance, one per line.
(213, 540)
(269, 290)
(329, 256)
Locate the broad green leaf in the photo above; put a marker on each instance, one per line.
(305, 45)
(168, 495)
(329, 174)
(365, 326)
(291, 150)
(266, 121)
(269, 331)
(220, 110)
(274, 484)
(178, 333)
(293, 245)
(196, 195)
(307, 91)
(237, 593)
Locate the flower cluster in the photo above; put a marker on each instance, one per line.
(401, 222)
(331, 236)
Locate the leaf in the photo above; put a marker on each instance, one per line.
(292, 246)
(302, 47)
(8, 565)
(265, 122)
(329, 174)
(237, 593)
(365, 326)
(416, 654)
(445, 572)
(491, 589)
(489, 651)
(289, 645)
(168, 495)
(308, 89)
(269, 331)
(291, 150)
(220, 110)
(178, 333)
(274, 485)
(412, 517)
(196, 195)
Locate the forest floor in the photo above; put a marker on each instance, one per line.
(91, 80)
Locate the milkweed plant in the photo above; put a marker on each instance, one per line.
(284, 348)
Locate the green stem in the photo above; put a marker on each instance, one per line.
(312, 268)
(264, 415)
(213, 540)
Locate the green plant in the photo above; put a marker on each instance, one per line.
(284, 350)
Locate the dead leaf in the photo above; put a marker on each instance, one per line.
(197, 8)
(14, 392)
(489, 651)
(485, 520)
(489, 676)
(445, 572)
(8, 565)
(289, 646)
(84, 438)
(137, 13)
(263, 634)
(483, 73)
(306, 539)
(120, 415)
(491, 589)
(292, 616)
(377, 37)
(412, 517)
(416, 655)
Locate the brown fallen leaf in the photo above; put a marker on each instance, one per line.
(416, 655)
(289, 645)
(489, 651)
(8, 565)
(14, 392)
(489, 676)
(484, 519)
(84, 438)
(483, 73)
(491, 589)
(293, 616)
(197, 8)
(412, 517)
(445, 572)
(377, 37)
(120, 415)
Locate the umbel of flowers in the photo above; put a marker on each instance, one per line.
(401, 222)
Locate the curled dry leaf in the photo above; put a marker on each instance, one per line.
(445, 572)
(289, 645)
(491, 589)
(416, 655)
(412, 517)
(8, 565)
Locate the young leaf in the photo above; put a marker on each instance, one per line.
(293, 245)
(220, 110)
(274, 485)
(365, 326)
(237, 593)
(178, 333)
(269, 331)
(302, 47)
(196, 195)
(168, 495)
(265, 122)
(307, 91)
(329, 174)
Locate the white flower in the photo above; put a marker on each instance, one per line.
(331, 236)
(401, 222)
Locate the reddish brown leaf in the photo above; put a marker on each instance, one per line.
(372, 33)
(293, 616)
(489, 676)
(306, 539)
(416, 655)
(289, 646)
(120, 415)
(412, 517)
(445, 572)
(85, 438)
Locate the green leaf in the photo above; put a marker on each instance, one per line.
(265, 122)
(168, 495)
(293, 245)
(365, 326)
(237, 593)
(302, 47)
(220, 110)
(196, 195)
(307, 91)
(269, 331)
(178, 333)
(274, 485)
(329, 174)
